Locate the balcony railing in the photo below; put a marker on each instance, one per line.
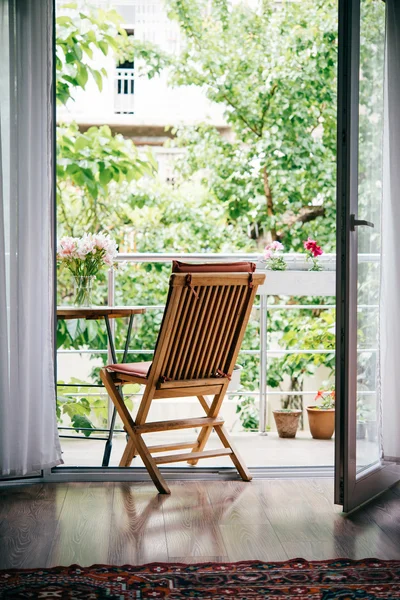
(296, 281)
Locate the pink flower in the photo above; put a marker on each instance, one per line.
(108, 260)
(276, 246)
(67, 247)
(313, 247)
(271, 248)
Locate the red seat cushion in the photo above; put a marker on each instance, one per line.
(138, 369)
(236, 267)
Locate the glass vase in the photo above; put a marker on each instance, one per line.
(83, 290)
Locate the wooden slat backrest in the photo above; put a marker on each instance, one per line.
(203, 325)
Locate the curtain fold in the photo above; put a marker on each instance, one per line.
(390, 281)
(28, 430)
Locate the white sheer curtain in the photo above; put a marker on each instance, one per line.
(28, 431)
(390, 285)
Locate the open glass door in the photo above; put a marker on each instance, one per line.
(360, 473)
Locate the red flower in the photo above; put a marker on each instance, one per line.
(313, 247)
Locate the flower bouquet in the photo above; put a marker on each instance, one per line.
(84, 257)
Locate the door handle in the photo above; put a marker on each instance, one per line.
(359, 223)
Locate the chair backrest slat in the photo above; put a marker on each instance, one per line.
(204, 330)
(189, 331)
(180, 329)
(238, 300)
(196, 347)
(220, 326)
(208, 343)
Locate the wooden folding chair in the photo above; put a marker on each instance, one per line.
(201, 333)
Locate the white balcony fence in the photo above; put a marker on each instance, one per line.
(296, 281)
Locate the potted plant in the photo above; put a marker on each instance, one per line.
(321, 415)
(287, 421)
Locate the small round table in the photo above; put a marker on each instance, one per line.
(106, 313)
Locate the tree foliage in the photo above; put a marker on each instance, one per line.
(273, 68)
(78, 36)
(88, 165)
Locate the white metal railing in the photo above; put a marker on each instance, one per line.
(124, 91)
(296, 281)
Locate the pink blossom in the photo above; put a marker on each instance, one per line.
(67, 247)
(277, 246)
(313, 247)
(88, 253)
(108, 260)
(271, 249)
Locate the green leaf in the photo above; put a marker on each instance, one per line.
(98, 79)
(103, 47)
(72, 80)
(64, 20)
(82, 423)
(72, 327)
(70, 58)
(105, 176)
(92, 330)
(82, 76)
(81, 143)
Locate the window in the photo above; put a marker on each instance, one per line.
(125, 86)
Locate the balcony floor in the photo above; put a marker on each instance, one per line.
(256, 450)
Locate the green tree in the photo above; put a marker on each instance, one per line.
(273, 68)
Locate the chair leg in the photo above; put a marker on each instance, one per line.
(227, 443)
(141, 417)
(135, 440)
(128, 455)
(212, 410)
(235, 456)
(151, 466)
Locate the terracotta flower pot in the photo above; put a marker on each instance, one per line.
(322, 422)
(287, 422)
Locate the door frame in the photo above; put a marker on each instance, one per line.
(350, 491)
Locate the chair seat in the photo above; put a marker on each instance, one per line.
(137, 369)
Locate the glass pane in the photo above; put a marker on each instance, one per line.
(369, 240)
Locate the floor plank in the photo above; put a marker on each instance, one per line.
(190, 524)
(385, 513)
(201, 521)
(236, 502)
(137, 526)
(252, 541)
(314, 550)
(30, 520)
(83, 531)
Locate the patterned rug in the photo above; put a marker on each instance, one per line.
(295, 579)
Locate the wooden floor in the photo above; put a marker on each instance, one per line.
(118, 523)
